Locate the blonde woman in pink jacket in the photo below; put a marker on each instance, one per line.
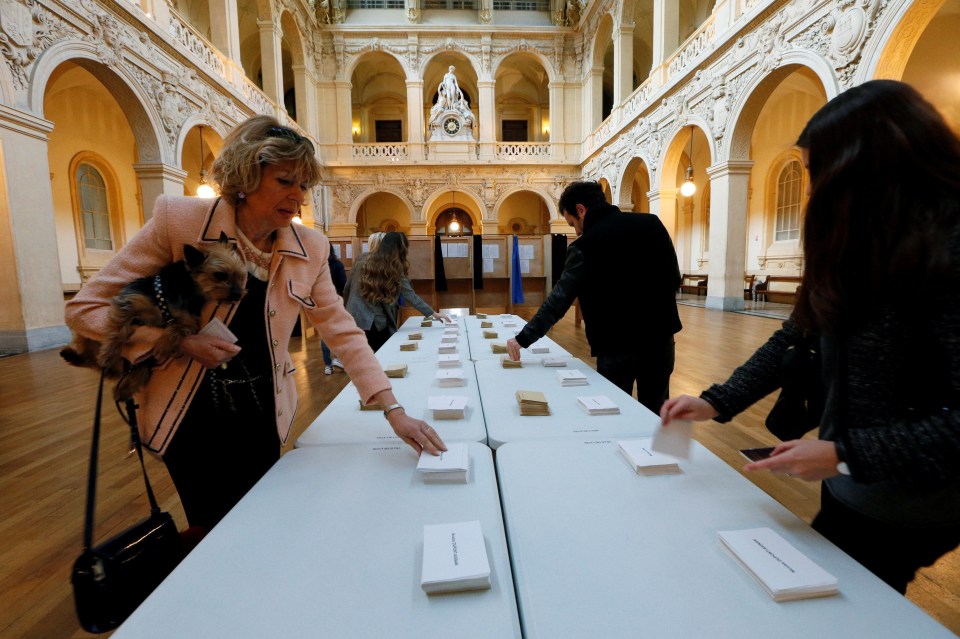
(219, 413)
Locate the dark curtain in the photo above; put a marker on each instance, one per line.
(477, 261)
(558, 256)
(439, 276)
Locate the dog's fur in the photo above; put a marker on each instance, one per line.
(213, 273)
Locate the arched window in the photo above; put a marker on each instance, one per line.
(94, 210)
(789, 189)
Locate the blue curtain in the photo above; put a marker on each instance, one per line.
(516, 286)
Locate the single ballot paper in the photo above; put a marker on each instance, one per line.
(447, 406)
(644, 460)
(572, 377)
(674, 440)
(216, 328)
(395, 370)
(454, 558)
(598, 405)
(450, 466)
(559, 362)
(782, 571)
(506, 362)
(448, 361)
(408, 346)
(415, 336)
(450, 377)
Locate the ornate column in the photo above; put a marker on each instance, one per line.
(622, 64)
(225, 34)
(271, 61)
(667, 209)
(488, 120)
(415, 111)
(729, 183)
(557, 125)
(306, 93)
(666, 33)
(344, 124)
(31, 299)
(156, 179)
(593, 99)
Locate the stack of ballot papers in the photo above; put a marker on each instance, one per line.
(598, 405)
(539, 348)
(395, 370)
(498, 347)
(509, 322)
(454, 558)
(481, 316)
(447, 348)
(408, 346)
(449, 377)
(554, 361)
(449, 339)
(782, 570)
(373, 406)
(447, 406)
(490, 335)
(451, 330)
(450, 466)
(415, 336)
(645, 460)
(532, 403)
(486, 324)
(426, 323)
(572, 377)
(448, 361)
(506, 362)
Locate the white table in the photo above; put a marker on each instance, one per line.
(426, 347)
(502, 413)
(480, 345)
(342, 421)
(328, 544)
(599, 551)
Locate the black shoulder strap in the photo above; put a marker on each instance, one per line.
(131, 419)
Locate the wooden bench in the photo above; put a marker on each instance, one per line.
(693, 283)
(780, 289)
(748, 286)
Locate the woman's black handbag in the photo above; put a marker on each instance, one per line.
(112, 578)
(800, 406)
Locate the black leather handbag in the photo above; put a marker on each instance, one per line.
(799, 408)
(112, 578)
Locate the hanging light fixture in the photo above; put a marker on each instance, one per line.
(454, 224)
(689, 188)
(204, 190)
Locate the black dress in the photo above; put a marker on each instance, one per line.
(228, 438)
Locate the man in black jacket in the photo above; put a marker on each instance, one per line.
(624, 270)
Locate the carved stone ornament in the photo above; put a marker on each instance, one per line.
(25, 31)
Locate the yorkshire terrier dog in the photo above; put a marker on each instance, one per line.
(172, 300)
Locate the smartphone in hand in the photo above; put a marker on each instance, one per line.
(757, 454)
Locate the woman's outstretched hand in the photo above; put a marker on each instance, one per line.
(417, 433)
(687, 407)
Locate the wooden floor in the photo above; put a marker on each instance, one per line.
(45, 415)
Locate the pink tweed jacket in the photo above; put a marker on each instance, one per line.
(299, 279)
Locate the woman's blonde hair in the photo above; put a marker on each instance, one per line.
(257, 142)
(374, 241)
(384, 270)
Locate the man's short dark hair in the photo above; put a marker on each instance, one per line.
(587, 193)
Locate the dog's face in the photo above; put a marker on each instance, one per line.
(218, 270)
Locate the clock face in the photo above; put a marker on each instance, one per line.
(451, 126)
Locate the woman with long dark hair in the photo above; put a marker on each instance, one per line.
(374, 288)
(881, 298)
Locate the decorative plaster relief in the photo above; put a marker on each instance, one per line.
(25, 31)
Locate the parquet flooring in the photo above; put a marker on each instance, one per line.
(45, 414)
